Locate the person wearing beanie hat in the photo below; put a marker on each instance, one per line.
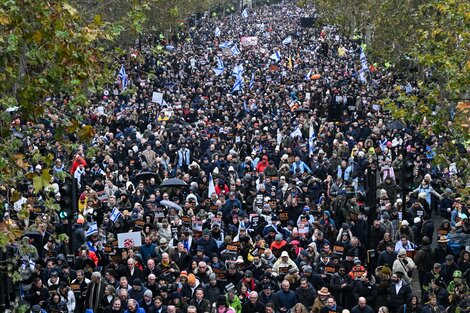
(213, 289)
(404, 264)
(388, 256)
(278, 245)
(147, 302)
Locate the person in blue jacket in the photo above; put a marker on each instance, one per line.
(133, 307)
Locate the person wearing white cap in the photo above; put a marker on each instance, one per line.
(284, 264)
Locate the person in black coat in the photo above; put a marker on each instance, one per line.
(305, 293)
(131, 271)
(253, 305)
(115, 307)
(397, 299)
(37, 294)
(331, 306)
(388, 256)
(362, 307)
(267, 295)
(366, 288)
(341, 286)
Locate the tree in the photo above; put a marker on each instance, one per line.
(50, 62)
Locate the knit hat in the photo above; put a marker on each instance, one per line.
(386, 271)
(278, 237)
(212, 276)
(148, 293)
(191, 279)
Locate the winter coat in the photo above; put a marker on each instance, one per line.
(306, 296)
(396, 299)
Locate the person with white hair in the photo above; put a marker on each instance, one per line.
(95, 292)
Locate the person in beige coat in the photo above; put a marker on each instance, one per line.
(404, 264)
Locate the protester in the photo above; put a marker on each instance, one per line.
(287, 186)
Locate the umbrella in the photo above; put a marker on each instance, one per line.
(396, 124)
(173, 182)
(144, 176)
(171, 204)
(301, 110)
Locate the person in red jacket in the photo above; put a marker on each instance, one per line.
(262, 164)
(79, 160)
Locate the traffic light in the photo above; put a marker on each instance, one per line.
(407, 176)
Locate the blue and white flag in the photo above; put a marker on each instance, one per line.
(217, 32)
(252, 80)
(235, 50)
(363, 61)
(237, 86)
(115, 214)
(211, 186)
(276, 56)
(238, 71)
(245, 107)
(312, 137)
(287, 41)
(408, 89)
(220, 67)
(122, 78)
(296, 133)
(307, 77)
(362, 76)
(245, 13)
(226, 44)
(93, 229)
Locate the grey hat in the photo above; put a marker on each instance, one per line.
(212, 276)
(386, 216)
(148, 293)
(278, 237)
(308, 269)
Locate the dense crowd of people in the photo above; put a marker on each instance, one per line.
(295, 193)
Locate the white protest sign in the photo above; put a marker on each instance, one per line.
(129, 240)
(157, 97)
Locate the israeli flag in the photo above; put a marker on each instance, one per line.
(245, 13)
(307, 77)
(115, 214)
(287, 41)
(408, 89)
(312, 137)
(211, 186)
(238, 71)
(122, 78)
(217, 32)
(296, 133)
(252, 80)
(362, 76)
(235, 50)
(363, 59)
(92, 230)
(276, 56)
(226, 44)
(237, 86)
(220, 67)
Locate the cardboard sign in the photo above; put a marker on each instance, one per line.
(232, 247)
(338, 249)
(249, 41)
(129, 240)
(157, 97)
(219, 273)
(75, 287)
(303, 228)
(254, 219)
(139, 223)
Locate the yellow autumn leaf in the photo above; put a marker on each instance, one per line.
(4, 20)
(72, 11)
(20, 161)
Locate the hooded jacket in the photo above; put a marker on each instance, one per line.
(138, 309)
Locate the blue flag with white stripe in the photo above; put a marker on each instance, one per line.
(217, 32)
(237, 86)
(122, 78)
(115, 214)
(252, 80)
(276, 56)
(93, 229)
(363, 59)
(312, 137)
(287, 41)
(245, 13)
(225, 44)
(307, 77)
(238, 71)
(235, 50)
(362, 76)
(220, 67)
